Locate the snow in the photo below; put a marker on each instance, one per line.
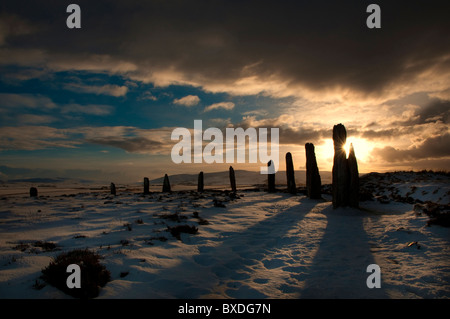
(260, 245)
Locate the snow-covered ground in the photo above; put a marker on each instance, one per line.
(260, 245)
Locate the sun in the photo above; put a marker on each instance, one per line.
(361, 146)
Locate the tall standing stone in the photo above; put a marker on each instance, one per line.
(146, 186)
(113, 189)
(290, 176)
(33, 192)
(270, 179)
(313, 181)
(353, 192)
(340, 167)
(232, 179)
(200, 185)
(166, 184)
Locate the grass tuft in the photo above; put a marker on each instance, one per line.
(93, 274)
(177, 230)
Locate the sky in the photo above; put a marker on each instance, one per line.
(100, 102)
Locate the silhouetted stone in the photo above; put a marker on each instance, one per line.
(345, 171)
(146, 186)
(353, 192)
(200, 185)
(290, 176)
(33, 192)
(113, 189)
(166, 184)
(340, 167)
(232, 179)
(270, 180)
(313, 181)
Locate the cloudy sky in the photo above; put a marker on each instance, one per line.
(101, 102)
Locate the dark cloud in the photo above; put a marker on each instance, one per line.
(438, 110)
(303, 136)
(433, 116)
(130, 139)
(14, 101)
(389, 133)
(433, 147)
(314, 44)
(34, 137)
(433, 111)
(379, 134)
(130, 144)
(288, 135)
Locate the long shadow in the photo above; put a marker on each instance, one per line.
(339, 269)
(232, 259)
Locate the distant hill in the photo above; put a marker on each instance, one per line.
(243, 177)
(48, 180)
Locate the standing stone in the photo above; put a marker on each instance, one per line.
(146, 186)
(200, 184)
(232, 179)
(290, 177)
(33, 192)
(353, 192)
(271, 179)
(113, 189)
(313, 181)
(166, 184)
(340, 167)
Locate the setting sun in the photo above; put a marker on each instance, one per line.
(361, 146)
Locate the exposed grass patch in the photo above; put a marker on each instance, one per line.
(43, 245)
(201, 221)
(175, 217)
(160, 238)
(218, 203)
(124, 242)
(46, 246)
(38, 285)
(93, 274)
(439, 214)
(177, 230)
(21, 246)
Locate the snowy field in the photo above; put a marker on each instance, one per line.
(258, 245)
